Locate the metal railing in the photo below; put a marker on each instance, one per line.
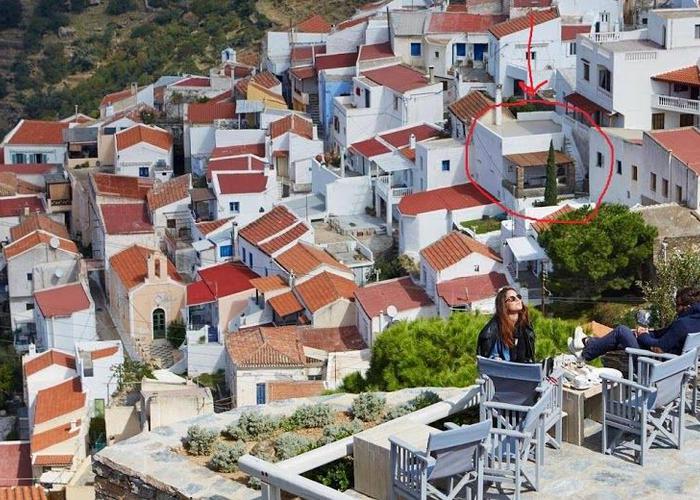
(675, 104)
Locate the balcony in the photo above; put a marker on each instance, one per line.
(677, 104)
(384, 188)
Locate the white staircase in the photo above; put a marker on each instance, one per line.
(571, 150)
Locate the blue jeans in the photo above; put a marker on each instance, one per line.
(620, 338)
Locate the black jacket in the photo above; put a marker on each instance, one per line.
(672, 338)
(522, 352)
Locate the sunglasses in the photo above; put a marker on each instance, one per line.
(513, 298)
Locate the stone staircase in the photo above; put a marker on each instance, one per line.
(161, 353)
(571, 150)
(312, 108)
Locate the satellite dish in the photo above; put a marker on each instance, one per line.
(391, 311)
(58, 273)
(54, 243)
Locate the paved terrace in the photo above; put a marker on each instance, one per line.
(145, 467)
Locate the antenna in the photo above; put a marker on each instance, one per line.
(54, 243)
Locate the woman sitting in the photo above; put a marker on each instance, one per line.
(508, 335)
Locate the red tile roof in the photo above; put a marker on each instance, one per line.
(170, 191)
(280, 241)
(121, 186)
(131, 266)
(208, 227)
(236, 164)
(207, 112)
(15, 464)
(193, 81)
(539, 226)
(241, 149)
(58, 400)
(399, 77)
(304, 258)
(303, 72)
(402, 137)
(324, 289)
(266, 80)
(62, 301)
(115, 97)
(126, 218)
(37, 238)
(338, 339)
(27, 168)
(292, 123)
(35, 222)
(569, 31)
(683, 143)
(351, 22)
(313, 24)
(332, 61)
(285, 304)
(688, 76)
(55, 460)
(307, 52)
(43, 440)
(584, 103)
(273, 222)
(369, 148)
(465, 290)
(266, 347)
(280, 390)
(523, 23)
(23, 492)
(104, 352)
(143, 133)
(269, 283)
(448, 198)
(38, 132)
(241, 183)
(219, 281)
(401, 293)
(375, 51)
(452, 248)
(471, 106)
(12, 207)
(461, 22)
(46, 359)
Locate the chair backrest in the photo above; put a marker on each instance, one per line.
(692, 341)
(529, 423)
(454, 450)
(513, 383)
(667, 377)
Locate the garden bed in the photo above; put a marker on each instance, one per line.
(481, 226)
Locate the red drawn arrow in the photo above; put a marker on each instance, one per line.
(531, 90)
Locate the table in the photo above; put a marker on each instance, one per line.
(372, 455)
(579, 405)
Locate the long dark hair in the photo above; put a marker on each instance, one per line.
(507, 330)
(686, 297)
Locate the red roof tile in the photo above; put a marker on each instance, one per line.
(324, 289)
(269, 283)
(266, 347)
(15, 464)
(43, 440)
(584, 103)
(376, 51)
(37, 238)
(266, 80)
(402, 137)
(46, 359)
(12, 207)
(461, 22)
(271, 224)
(303, 72)
(55, 460)
(465, 290)
(38, 132)
(369, 148)
(58, 400)
(104, 352)
(398, 77)
(241, 183)
(452, 248)
(401, 293)
(193, 81)
(351, 22)
(35, 222)
(339, 339)
(219, 281)
(448, 198)
(170, 191)
(470, 106)
(285, 304)
(304, 258)
(115, 97)
(280, 390)
(292, 123)
(569, 31)
(332, 61)
(126, 218)
(683, 143)
(532, 3)
(523, 23)
(62, 301)
(207, 112)
(280, 241)
(208, 227)
(23, 492)
(241, 149)
(121, 186)
(131, 266)
(143, 133)
(688, 76)
(313, 24)
(539, 226)
(27, 168)
(307, 52)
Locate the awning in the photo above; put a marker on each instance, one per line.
(585, 104)
(525, 249)
(393, 162)
(538, 158)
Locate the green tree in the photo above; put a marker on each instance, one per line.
(551, 192)
(10, 13)
(10, 374)
(604, 255)
(116, 7)
(176, 333)
(54, 63)
(78, 6)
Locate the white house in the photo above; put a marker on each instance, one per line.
(34, 141)
(629, 177)
(123, 100)
(95, 362)
(213, 241)
(64, 315)
(382, 303)
(242, 195)
(470, 293)
(277, 45)
(200, 123)
(121, 225)
(144, 151)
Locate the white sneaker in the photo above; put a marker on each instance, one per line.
(576, 342)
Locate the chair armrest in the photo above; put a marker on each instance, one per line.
(407, 446)
(629, 383)
(451, 426)
(505, 406)
(510, 433)
(649, 354)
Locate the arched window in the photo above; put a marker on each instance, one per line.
(159, 324)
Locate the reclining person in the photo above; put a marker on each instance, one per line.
(664, 340)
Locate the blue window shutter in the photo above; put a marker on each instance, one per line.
(415, 49)
(445, 165)
(226, 251)
(461, 49)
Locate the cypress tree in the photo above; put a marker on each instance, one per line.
(550, 188)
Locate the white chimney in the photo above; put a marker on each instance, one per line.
(431, 74)
(73, 426)
(134, 88)
(32, 349)
(412, 141)
(291, 280)
(498, 109)
(342, 161)
(314, 133)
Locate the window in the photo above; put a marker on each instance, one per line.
(586, 70)
(476, 268)
(461, 49)
(533, 55)
(38, 158)
(572, 48)
(664, 188)
(18, 158)
(336, 123)
(599, 159)
(171, 223)
(415, 49)
(159, 324)
(260, 398)
(619, 167)
(234, 206)
(680, 87)
(697, 31)
(29, 276)
(226, 251)
(88, 371)
(243, 254)
(358, 91)
(657, 121)
(679, 194)
(368, 102)
(652, 182)
(437, 55)
(396, 103)
(144, 171)
(445, 165)
(250, 260)
(604, 78)
(687, 120)
(604, 17)
(30, 306)
(634, 172)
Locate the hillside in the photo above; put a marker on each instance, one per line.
(65, 53)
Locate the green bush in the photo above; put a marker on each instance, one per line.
(289, 445)
(310, 416)
(338, 475)
(200, 441)
(10, 13)
(176, 333)
(354, 383)
(368, 406)
(334, 432)
(116, 7)
(253, 424)
(424, 399)
(264, 451)
(225, 457)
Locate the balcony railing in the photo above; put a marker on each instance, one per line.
(678, 104)
(397, 193)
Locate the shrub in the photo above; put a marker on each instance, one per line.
(309, 416)
(253, 424)
(225, 457)
(368, 406)
(199, 440)
(338, 475)
(289, 445)
(254, 483)
(334, 432)
(354, 383)
(176, 333)
(234, 431)
(425, 398)
(264, 451)
(116, 7)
